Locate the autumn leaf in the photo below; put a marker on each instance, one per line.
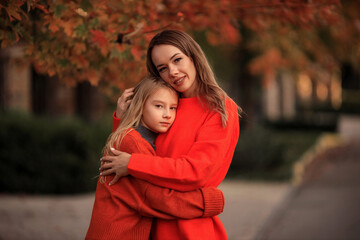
(104, 50)
(68, 28)
(136, 52)
(93, 77)
(99, 37)
(14, 13)
(231, 34)
(54, 26)
(79, 48)
(39, 6)
(81, 62)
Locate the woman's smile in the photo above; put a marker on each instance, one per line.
(179, 81)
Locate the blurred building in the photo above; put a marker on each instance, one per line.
(21, 88)
(312, 100)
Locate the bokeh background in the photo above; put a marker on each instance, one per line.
(293, 66)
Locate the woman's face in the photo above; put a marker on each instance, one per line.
(175, 68)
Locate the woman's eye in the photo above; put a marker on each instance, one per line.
(161, 69)
(177, 60)
(158, 106)
(173, 108)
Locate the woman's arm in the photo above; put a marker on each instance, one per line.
(210, 155)
(152, 201)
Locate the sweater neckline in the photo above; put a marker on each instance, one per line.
(191, 99)
(147, 134)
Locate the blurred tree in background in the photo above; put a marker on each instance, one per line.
(324, 41)
(105, 41)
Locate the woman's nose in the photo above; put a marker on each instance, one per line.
(173, 71)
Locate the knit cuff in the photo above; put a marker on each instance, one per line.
(116, 121)
(213, 201)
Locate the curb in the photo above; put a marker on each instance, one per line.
(324, 142)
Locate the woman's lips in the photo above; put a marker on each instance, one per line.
(179, 81)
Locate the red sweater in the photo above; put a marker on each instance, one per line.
(196, 152)
(125, 210)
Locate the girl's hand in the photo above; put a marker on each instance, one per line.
(116, 163)
(123, 102)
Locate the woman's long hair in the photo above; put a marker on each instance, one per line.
(208, 88)
(133, 114)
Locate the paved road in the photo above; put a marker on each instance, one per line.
(248, 205)
(327, 205)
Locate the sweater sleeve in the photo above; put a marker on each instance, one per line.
(154, 201)
(116, 122)
(210, 154)
(165, 203)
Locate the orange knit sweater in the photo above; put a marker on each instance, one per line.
(196, 152)
(125, 210)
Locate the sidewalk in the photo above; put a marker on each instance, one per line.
(248, 205)
(327, 205)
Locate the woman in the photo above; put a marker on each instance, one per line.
(125, 210)
(198, 149)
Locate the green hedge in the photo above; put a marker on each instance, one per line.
(42, 155)
(268, 153)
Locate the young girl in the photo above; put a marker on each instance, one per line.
(198, 149)
(125, 210)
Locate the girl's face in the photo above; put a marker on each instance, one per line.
(159, 110)
(175, 68)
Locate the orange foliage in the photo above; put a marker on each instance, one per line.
(267, 64)
(79, 40)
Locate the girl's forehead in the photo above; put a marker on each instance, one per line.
(164, 92)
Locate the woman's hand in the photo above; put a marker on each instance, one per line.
(123, 102)
(116, 163)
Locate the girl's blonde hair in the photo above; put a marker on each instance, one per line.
(208, 88)
(133, 114)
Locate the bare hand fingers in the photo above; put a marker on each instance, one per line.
(115, 179)
(107, 172)
(115, 152)
(127, 93)
(106, 166)
(124, 101)
(107, 158)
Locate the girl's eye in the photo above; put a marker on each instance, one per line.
(158, 106)
(177, 60)
(173, 108)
